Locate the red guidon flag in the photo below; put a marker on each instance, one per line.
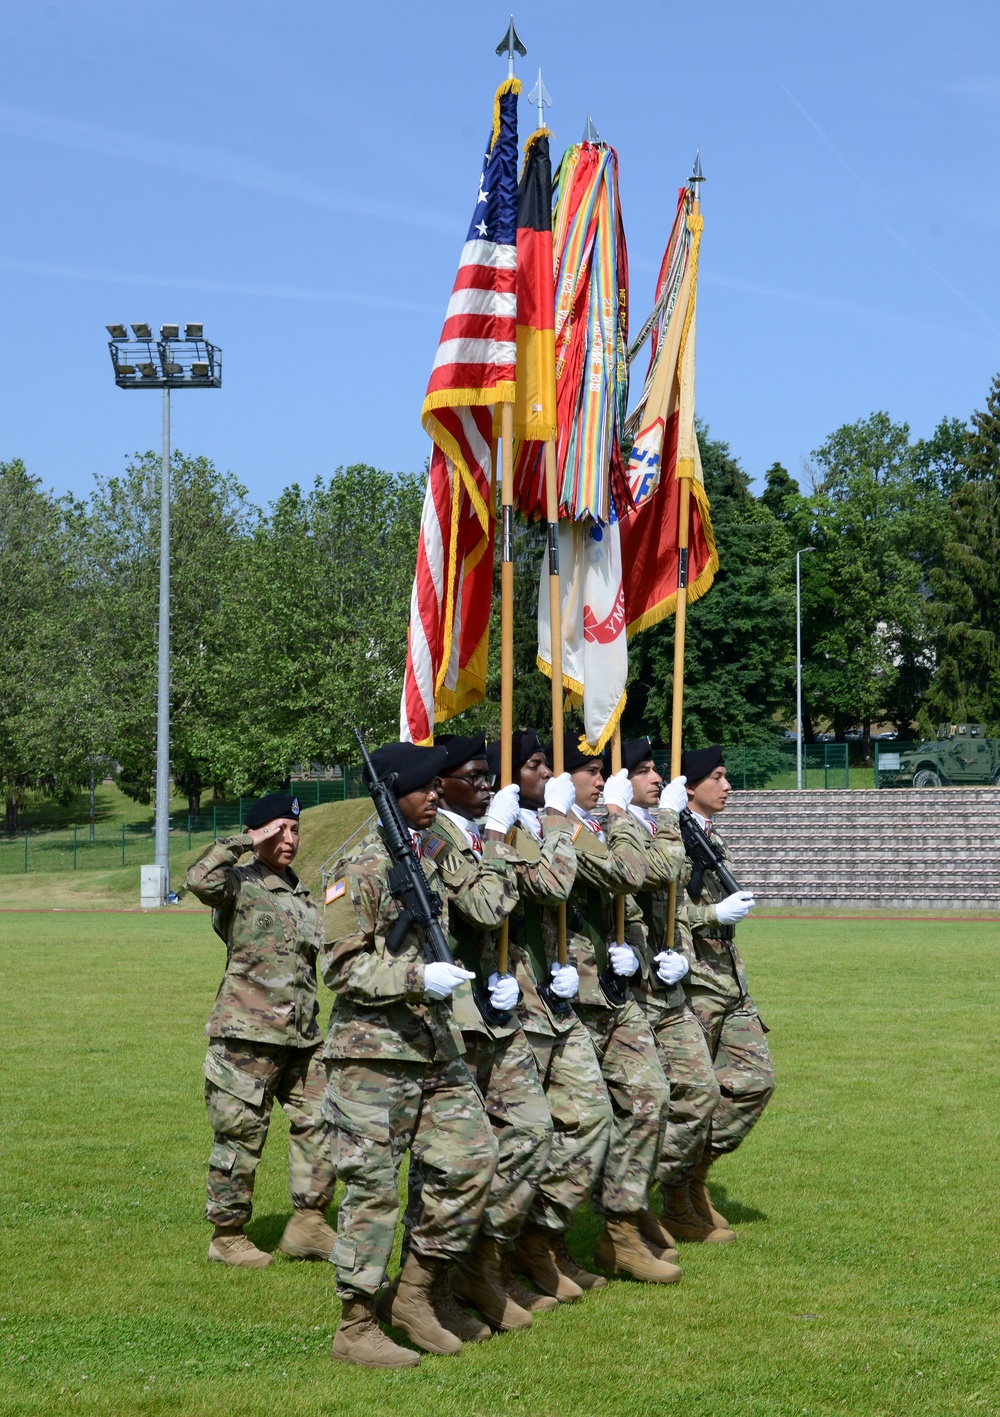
(665, 449)
(473, 371)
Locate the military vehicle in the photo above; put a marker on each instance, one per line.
(961, 754)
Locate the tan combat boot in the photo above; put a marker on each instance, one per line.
(360, 1340)
(413, 1308)
(233, 1247)
(622, 1250)
(452, 1317)
(534, 1255)
(685, 1222)
(700, 1198)
(657, 1236)
(308, 1236)
(477, 1281)
(569, 1267)
(524, 1297)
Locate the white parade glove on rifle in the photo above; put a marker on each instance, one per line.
(624, 960)
(441, 980)
(734, 907)
(565, 981)
(671, 966)
(673, 795)
(618, 790)
(560, 794)
(504, 992)
(503, 809)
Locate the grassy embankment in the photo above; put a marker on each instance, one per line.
(864, 1281)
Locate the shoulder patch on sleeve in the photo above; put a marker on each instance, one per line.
(434, 845)
(577, 830)
(335, 891)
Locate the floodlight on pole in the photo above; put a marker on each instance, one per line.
(798, 664)
(170, 362)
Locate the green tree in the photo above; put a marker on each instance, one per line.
(44, 735)
(965, 608)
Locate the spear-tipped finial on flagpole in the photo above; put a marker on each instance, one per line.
(511, 45)
(590, 133)
(540, 98)
(696, 175)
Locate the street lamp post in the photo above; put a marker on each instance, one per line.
(798, 664)
(173, 361)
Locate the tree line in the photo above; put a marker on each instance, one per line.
(288, 625)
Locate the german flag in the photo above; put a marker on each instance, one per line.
(535, 395)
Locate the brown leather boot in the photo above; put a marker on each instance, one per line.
(622, 1250)
(413, 1307)
(700, 1198)
(568, 1266)
(308, 1236)
(534, 1255)
(477, 1281)
(524, 1297)
(235, 1248)
(452, 1317)
(657, 1236)
(685, 1222)
(360, 1340)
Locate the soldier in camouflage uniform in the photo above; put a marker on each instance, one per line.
(694, 1090)
(717, 992)
(496, 1050)
(567, 1062)
(265, 1038)
(396, 1081)
(611, 864)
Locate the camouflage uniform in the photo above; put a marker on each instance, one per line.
(496, 1054)
(694, 1090)
(265, 1038)
(622, 1039)
(567, 1064)
(717, 991)
(396, 1080)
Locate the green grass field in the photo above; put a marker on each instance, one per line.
(865, 1280)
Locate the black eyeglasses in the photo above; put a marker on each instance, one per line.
(474, 779)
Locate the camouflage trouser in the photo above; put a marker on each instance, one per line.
(742, 1062)
(242, 1079)
(377, 1111)
(694, 1090)
(640, 1095)
(581, 1124)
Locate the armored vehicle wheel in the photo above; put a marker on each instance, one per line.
(995, 777)
(926, 777)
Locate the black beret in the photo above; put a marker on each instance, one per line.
(573, 758)
(634, 752)
(413, 766)
(267, 809)
(697, 763)
(523, 745)
(460, 750)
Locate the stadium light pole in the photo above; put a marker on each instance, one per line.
(173, 361)
(798, 664)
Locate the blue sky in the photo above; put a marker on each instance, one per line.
(299, 176)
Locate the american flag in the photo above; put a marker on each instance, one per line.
(473, 371)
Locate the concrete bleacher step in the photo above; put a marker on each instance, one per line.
(930, 847)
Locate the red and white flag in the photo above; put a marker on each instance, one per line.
(473, 371)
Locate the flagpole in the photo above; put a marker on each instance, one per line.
(555, 644)
(506, 624)
(616, 766)
(680, 618)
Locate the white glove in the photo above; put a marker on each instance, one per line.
(560, 794)
(441, 980)
(673, 795)
(624, 959)
(618, 790)
(734, 907)
(565, 981)
(504, 992)
(671, 966)
(504, 809)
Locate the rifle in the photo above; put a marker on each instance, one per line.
(704, 857)
(419, 906)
